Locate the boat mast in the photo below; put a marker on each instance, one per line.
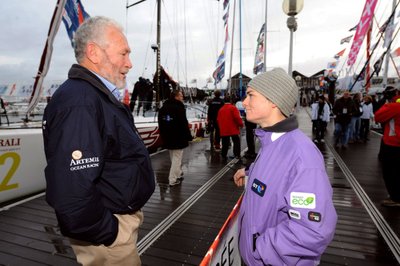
(158, 48)
(240, 50)
(232, 40)
(265, 37)
(158, 65)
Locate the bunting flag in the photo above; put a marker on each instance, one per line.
(361, 76)
(384, 26)
(332, 65)
(219, 72)
(347, 39)
(226, 3)
(362, 28)
(388, 34)
(354, 28)
(396, 52)
(338, 55)
(260, 52)
(378, 64)
(74, 14)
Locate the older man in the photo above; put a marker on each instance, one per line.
(98, 172)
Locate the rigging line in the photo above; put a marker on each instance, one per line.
(174, 35)
(148, 42)
(210, 28)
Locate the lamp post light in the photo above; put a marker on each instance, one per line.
(292, 8)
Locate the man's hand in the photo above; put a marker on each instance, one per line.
(238, 178)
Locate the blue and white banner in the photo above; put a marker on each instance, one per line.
(219, 72)
(74, 14)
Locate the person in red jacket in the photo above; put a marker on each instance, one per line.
(389, 116)
(229, 122)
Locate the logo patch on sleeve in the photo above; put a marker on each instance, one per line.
(314, 216)
(294, 214)
(302, 200)
(258, 187)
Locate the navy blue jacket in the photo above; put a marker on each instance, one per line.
(173, 125)
(97, 164)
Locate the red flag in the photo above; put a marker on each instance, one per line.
(339, 54)
(396, 52)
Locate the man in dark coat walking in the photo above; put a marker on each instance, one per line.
(175, 133)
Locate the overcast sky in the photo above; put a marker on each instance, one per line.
(321, 26)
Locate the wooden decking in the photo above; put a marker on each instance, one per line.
(181, 222)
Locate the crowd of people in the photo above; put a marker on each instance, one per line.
(353, 115)
(99, 173)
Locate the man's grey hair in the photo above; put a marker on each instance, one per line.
(92, 30)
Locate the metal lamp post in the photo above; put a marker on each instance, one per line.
(292, 8)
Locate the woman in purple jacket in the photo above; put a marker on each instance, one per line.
(287, 216)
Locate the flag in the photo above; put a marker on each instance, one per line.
(219, 73)
(378, 64)
(74, 14)
(226, 3)
(384, 26)
(46, 57)
(354, 28)
(361, 76)
(396, 52)
(388, 34)
(221, 57)
(362, 29)
(260, 52)
(338, 55)
(347, 39)
(332, 65)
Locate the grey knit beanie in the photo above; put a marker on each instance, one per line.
(278, 87)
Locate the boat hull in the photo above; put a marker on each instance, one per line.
(22, 159)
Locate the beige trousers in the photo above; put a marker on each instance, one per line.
(176, 165)
(122, 252)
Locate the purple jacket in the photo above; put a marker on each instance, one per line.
(287, 216)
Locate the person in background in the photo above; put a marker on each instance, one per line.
(3, 111)
(287, 215)
(98, 172)
(229, 122)
(343, 110)
(367, 115)
(213, 107)
(321, 116)
(251, 146)
(175, 133)
(389, 116)
(314, 115)
(355, 123)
